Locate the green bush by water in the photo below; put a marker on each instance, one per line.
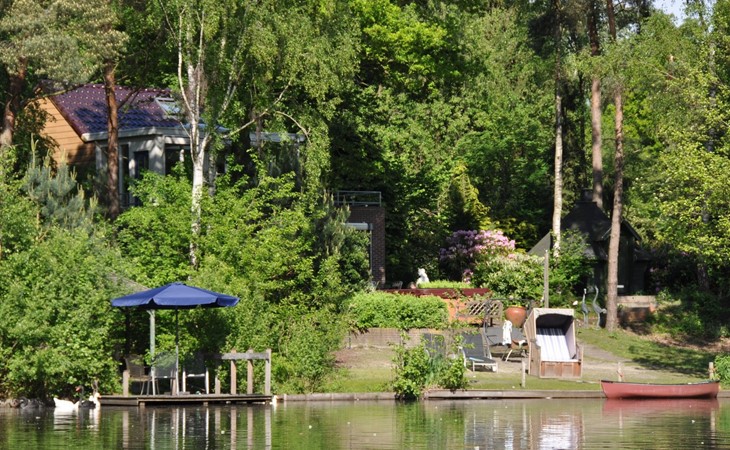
(416, 370)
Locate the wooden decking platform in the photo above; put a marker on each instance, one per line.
(189, 399)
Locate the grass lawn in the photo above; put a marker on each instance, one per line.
(642, 359)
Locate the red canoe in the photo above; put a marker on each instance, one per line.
(621, 389)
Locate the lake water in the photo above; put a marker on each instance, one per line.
(477, 424)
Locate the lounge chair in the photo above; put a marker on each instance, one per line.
(476, 353)
(505, 339)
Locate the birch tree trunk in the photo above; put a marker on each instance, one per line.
(558, 187)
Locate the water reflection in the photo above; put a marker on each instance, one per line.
(479, 424)
(199, 427)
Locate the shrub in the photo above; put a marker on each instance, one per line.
(413, 368)
(571, 267)
(416, 370)
(691, 313)
(516, 276)
(57, 328)
(465, 248)
(722, 369)
(445, 284)
(384, 310)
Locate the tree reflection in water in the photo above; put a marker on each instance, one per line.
(484, 424)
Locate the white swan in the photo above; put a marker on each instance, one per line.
(65, 405)
(70, 406)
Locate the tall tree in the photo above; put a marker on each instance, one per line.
(596, 147)
(616, 214)
(209, 38)
(43, 38)
(112, 145)
(558, 169)
(239, 63)
(108, 45)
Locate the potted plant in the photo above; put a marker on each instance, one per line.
(516, 312)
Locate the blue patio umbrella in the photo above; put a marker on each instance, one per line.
(175, 296)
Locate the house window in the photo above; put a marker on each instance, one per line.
(124, 175)
(174, 154)
(141, 164)
(170, 106)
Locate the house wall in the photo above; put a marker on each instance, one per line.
(153, 144)
(375, 216)
(68, 142)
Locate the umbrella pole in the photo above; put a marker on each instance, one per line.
(151, 312)
(177, 351)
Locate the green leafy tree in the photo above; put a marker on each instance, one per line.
(241, 63)
(155, 236)
(57, 320)
(17, 220)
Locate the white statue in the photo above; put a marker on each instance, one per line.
(422, 277)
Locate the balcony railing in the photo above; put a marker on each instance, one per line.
(358, 198)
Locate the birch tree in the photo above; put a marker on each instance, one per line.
(558, 174)
(239, 63)
(209, 39)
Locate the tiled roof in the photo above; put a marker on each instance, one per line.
(85, 108)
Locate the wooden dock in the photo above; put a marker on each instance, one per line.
(189, 399)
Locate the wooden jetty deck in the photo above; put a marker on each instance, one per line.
(176, 397)
(190, 399)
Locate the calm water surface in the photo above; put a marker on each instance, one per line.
(482, 424)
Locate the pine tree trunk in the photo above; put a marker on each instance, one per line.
(112, 149)
(596, 149)
(613, 247)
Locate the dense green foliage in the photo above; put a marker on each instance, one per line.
(57, 318)
(722, 369)
(382, 310)
(445, 107)
(519, 276)
(417, 369)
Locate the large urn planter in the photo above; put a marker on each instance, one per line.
(516, 315)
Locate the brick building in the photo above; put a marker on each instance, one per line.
(368, 215)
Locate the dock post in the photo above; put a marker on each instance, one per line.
(523, 374)
(249, 374)
(267, 379)
(233, 374)
(125, 383)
